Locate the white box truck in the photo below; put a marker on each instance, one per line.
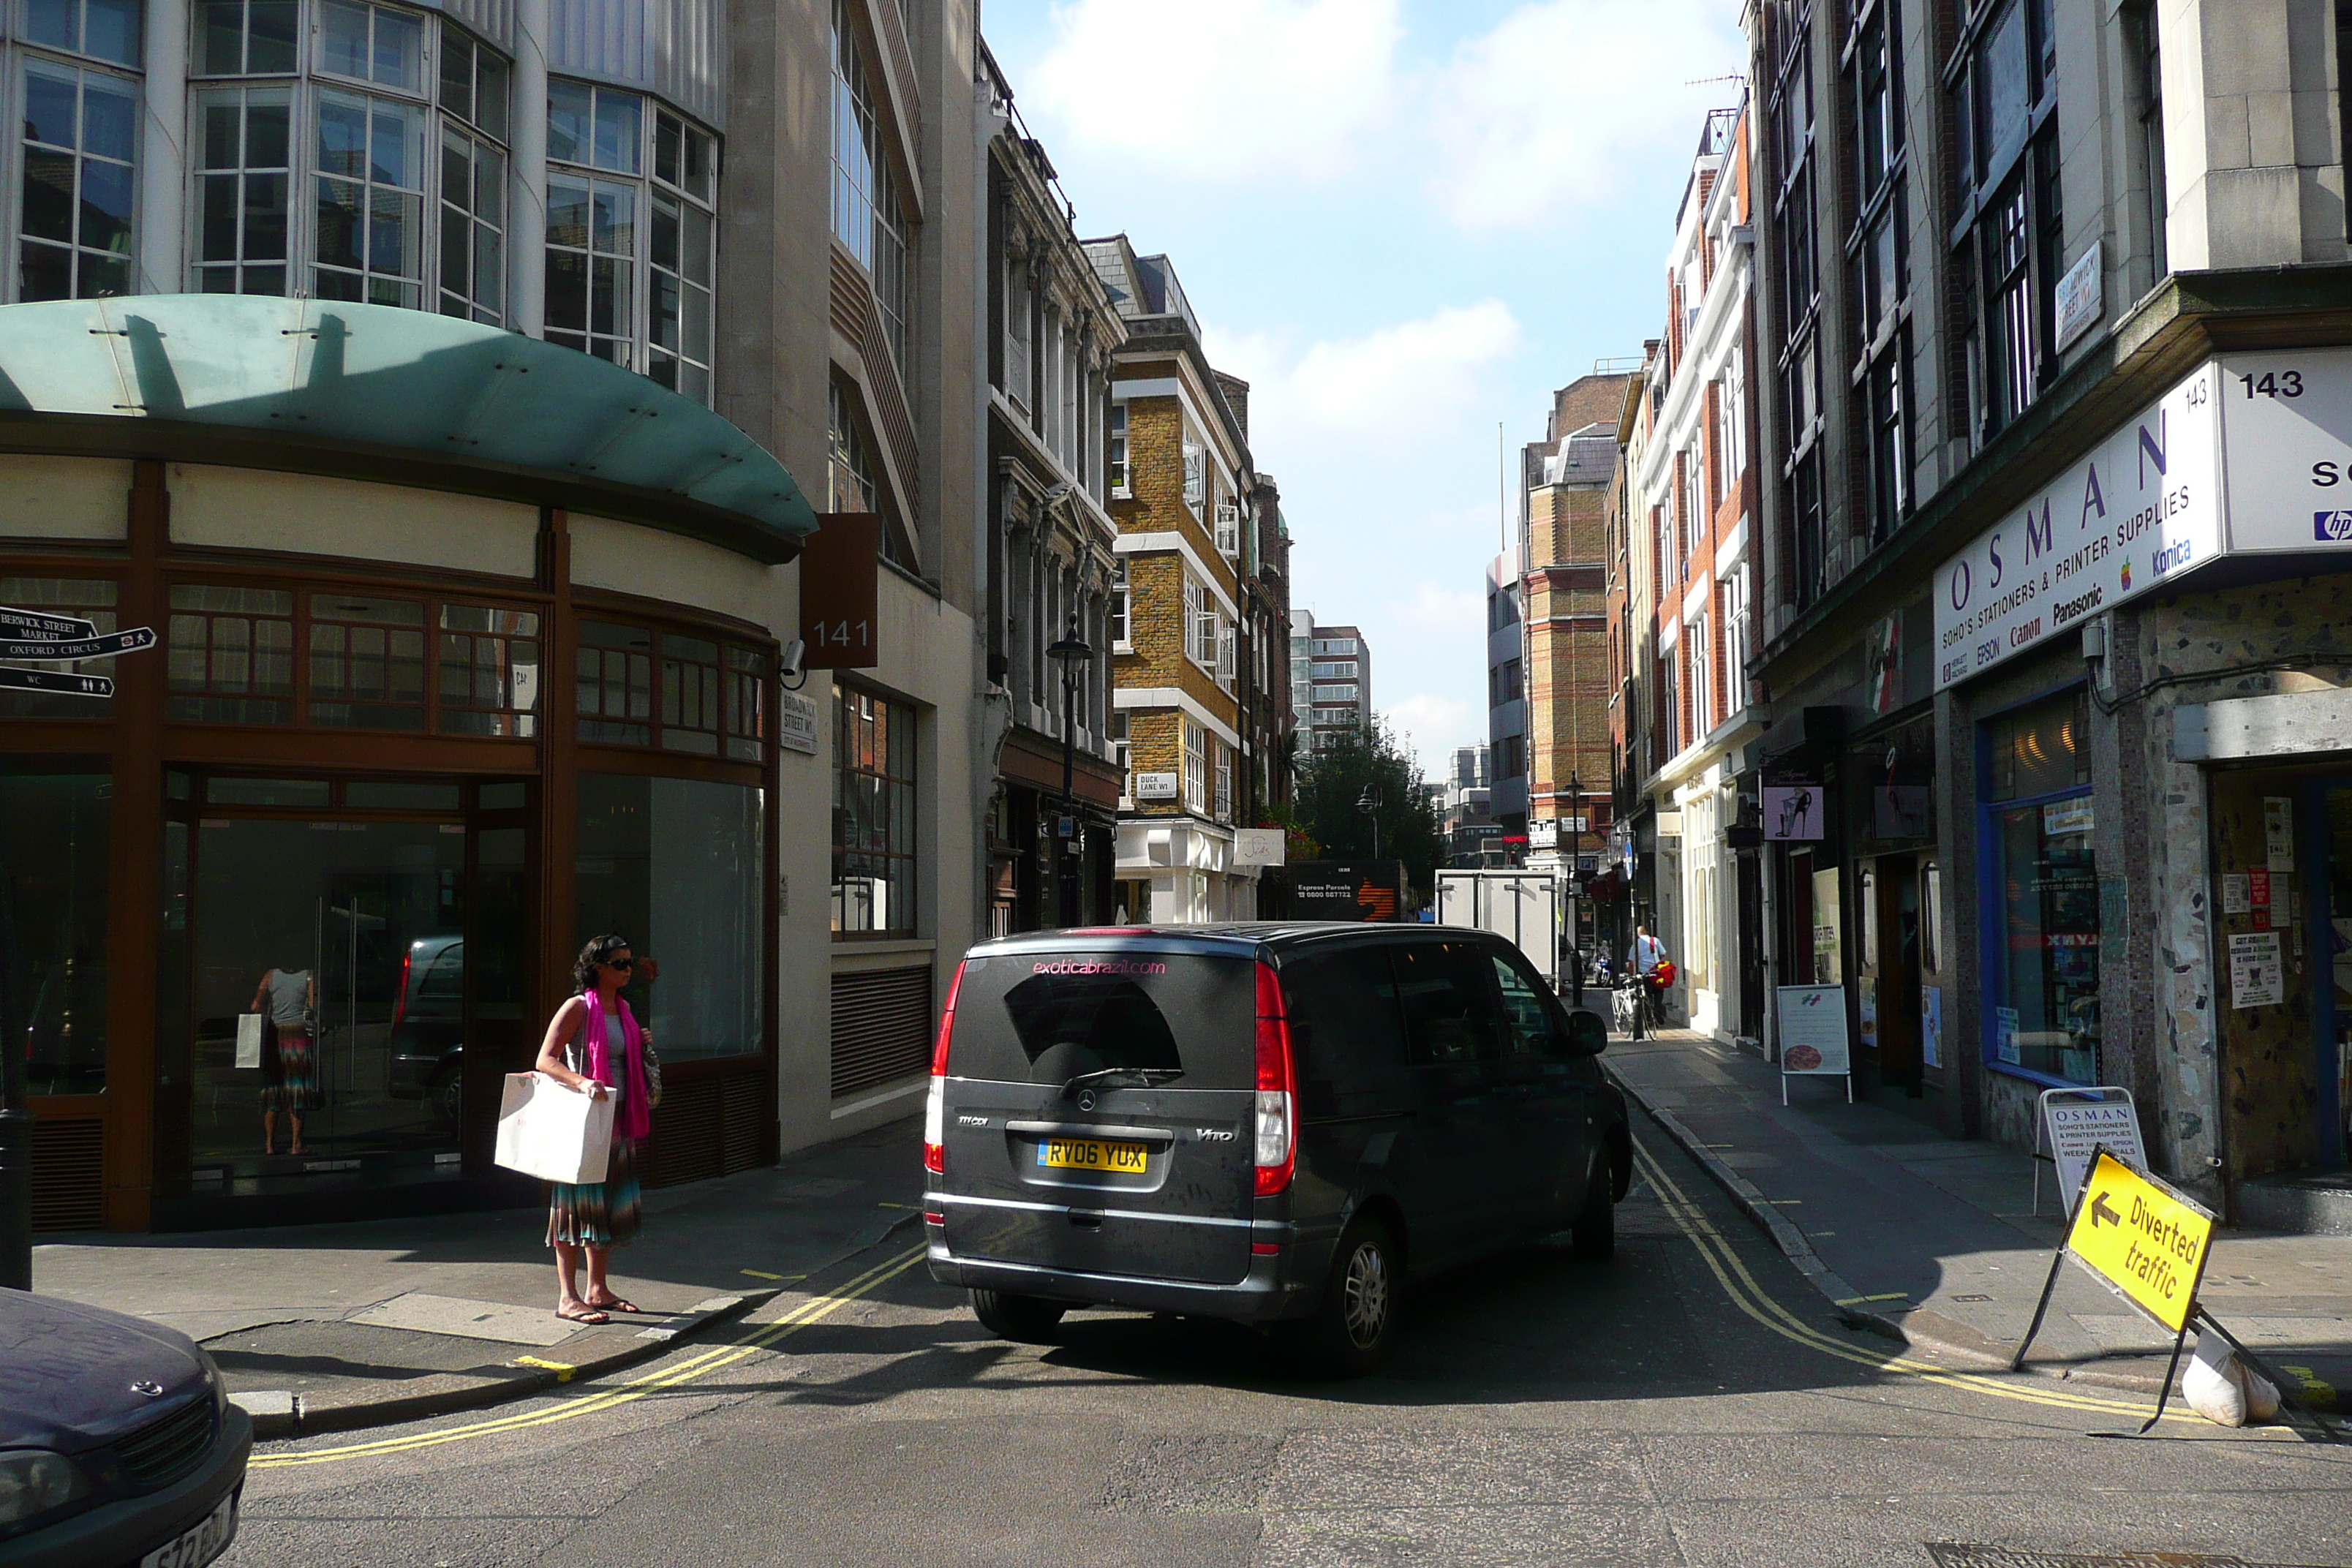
(1524, 907)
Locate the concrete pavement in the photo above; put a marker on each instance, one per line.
(1935, 1241)
(321, 1328)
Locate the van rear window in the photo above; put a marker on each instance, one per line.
(1042, 1017)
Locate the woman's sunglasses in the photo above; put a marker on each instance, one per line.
(618, 963)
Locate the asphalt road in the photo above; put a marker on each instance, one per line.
(1689, 1402)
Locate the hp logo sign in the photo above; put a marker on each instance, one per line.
(2334, 526)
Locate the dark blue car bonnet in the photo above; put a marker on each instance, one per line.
(67, 1372)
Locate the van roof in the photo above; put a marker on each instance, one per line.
(1229, 936)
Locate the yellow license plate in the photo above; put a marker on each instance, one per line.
(1086, 1154)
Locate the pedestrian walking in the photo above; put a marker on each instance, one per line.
(593, 1043)
(292, 997)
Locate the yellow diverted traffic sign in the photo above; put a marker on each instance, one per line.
(2148, 1243)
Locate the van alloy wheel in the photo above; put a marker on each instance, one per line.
(1365, 1294)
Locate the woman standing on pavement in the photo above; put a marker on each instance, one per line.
(593, 1043)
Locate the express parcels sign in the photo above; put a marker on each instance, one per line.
(2143, 507)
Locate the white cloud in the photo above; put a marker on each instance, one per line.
(1436, 724)
(1454, 616)
(1409, 376)
(1566, 101)
(1215, 90)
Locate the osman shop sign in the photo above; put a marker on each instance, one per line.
(2249, 455)
(2144, 506)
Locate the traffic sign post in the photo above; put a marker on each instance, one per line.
(32, 634)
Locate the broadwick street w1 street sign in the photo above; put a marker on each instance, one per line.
(2146, 1242)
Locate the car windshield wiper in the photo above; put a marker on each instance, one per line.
(1145, 1076)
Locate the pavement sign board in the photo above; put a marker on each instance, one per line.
(2148, 1242)
(2075, 1122)
(1812, 1030)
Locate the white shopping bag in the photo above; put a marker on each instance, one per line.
(553, 1131)
(248, 1039)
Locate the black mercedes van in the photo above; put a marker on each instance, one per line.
(1272, 1123)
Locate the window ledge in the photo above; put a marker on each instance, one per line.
(2047, 1081)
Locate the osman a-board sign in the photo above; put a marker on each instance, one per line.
(2251, 454)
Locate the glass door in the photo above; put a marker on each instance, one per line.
(347, 940)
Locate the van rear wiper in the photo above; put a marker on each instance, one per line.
(1143, 1076)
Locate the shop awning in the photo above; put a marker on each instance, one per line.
(390, 394)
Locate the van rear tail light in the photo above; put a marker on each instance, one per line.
(935, 1110)
(1277, 1089)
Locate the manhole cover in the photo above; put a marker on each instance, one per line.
(1959, 1554)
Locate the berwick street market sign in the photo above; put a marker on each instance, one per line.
(2249, 455)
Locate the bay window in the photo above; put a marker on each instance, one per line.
(869, 212)
(79, 129)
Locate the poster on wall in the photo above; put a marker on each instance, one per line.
(2236, 898)
(1792, 812)
(1827, 968)
(1866, 1011)
(2257, 972)
(2278, 831)
(2004, 1035)
(1931, 1026)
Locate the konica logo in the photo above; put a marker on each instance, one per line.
(2334, 526)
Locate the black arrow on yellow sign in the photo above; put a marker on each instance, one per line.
(2104, 1212)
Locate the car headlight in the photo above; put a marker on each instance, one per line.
(215, 1382)
(33, 1481)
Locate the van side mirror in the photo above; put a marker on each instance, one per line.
(1587, 1035)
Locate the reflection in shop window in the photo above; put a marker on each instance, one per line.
(232, 655)
(690, 695)
(615, 695)
(676, 866)
(88, 598)
(873, 815)
(2045, 1002)
(490, 671)
(367, 662)
(53, 901)
(747, 704)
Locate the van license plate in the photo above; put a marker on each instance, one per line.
(1086, 1154)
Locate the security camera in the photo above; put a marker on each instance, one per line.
(794, 663)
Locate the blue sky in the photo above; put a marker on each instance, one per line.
(1402, 221)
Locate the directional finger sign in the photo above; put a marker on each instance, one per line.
(2148, 1242)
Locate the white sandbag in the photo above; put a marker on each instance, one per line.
(551, 1130)
(2225, 1390)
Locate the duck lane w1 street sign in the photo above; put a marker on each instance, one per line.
(2148, 1242)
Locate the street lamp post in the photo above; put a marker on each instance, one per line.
(1368, 802)
(1073, 654)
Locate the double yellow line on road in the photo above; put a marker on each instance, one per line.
(1752, 1299)
(815, 1309)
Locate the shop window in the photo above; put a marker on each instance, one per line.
(79, 129)
(616, 684)
(746, 685)
(367, 662)
(690, 695)
(53, 906)
(92, 599)
(2043, 888)
(231, 657)
(679, 867)
(873, 815)
(370, 199)
(490, 671)
(246, 37)
(103, 29)
(246, 149)
(371, 44)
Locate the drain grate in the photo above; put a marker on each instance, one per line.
(1959, 1554)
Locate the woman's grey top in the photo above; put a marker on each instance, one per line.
(289, 998)
(616, 1053)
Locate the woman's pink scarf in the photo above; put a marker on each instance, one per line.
(636, 1118)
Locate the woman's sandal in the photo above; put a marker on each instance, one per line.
(586, 1314)
(616, 1305)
